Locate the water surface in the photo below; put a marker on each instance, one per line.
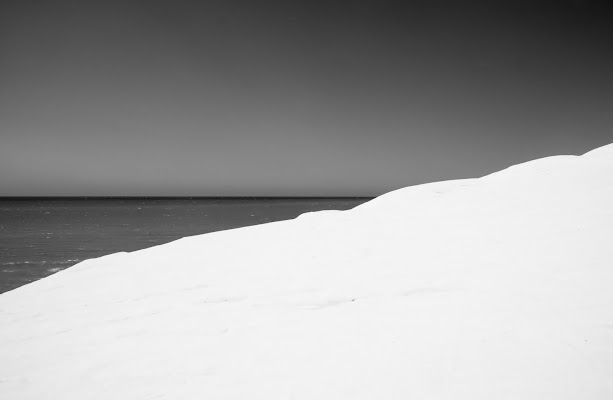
(39, 237)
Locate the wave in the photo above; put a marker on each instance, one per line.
(38, 263)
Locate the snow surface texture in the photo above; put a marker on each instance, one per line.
(492, 288)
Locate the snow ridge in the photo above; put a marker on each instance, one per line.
(497, 287)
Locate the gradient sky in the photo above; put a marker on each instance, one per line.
(288, 98)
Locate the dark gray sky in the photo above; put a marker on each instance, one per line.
(285, 98)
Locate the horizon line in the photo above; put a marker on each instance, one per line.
(181, 197)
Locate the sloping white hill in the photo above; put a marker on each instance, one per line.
(492, 288)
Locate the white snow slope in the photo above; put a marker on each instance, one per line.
(492, 288)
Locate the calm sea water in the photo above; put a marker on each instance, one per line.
(39, 237)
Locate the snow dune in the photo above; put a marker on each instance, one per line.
(492, 288)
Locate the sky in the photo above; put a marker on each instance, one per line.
(293, 98)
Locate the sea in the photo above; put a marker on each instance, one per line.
(42, 236)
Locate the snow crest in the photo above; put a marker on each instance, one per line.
(491, 288)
